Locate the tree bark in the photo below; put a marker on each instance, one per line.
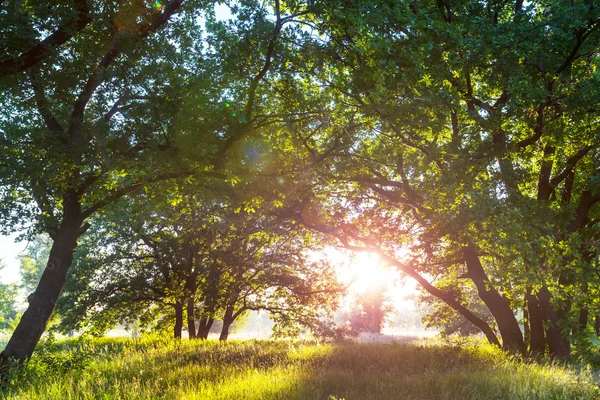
(190, 319)
(204, 328)
(597, 325)
(227, 321)
(558, 343)
(512, 337)
(43, 300)
(536, 324)
(178, 320)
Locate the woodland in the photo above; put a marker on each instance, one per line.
(175, 166)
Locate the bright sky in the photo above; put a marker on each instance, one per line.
(9, 252)
(366, 272)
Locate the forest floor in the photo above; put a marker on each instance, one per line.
(151, 368)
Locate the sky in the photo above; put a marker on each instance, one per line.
(9, 252)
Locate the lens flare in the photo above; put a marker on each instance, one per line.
(158, 5)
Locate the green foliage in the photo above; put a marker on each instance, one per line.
(415, 130)
(148, 256)
(34, 261)
(8, 298)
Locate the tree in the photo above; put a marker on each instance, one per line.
(22, 48)
(200, 257)
(32, 263)
(134, 120)
(453, 119)
(66, 156)
(370, 311)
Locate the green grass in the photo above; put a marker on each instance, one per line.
(166, 369)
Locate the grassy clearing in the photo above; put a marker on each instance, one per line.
(166, 369)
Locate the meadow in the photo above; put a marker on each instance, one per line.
(156, 368)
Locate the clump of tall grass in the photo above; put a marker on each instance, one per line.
(158, 368)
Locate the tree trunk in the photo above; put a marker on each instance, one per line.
(558, 344)
(583, 319)
(512, 337)
(178, 320)
(536, 324)
(43, 300)
(597, 325)
(583, 312)
(227, 321)
(526, 327)
(445, 297)
(190, 319)
(204, 328)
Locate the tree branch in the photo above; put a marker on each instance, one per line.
(117, 194)
(43, 106)
(570, 166)
(56, 39)
(115, 48)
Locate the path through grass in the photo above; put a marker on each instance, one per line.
(166, 369)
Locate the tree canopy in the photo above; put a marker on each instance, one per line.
(457, 140)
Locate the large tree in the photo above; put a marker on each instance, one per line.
(481, 119)
(129, 100)
(88, 125)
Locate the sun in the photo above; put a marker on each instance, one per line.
(365, 272)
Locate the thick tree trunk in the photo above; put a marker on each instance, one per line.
(597, 324)
(178, 320)
(227, 321)
(190, 319)
(204, 328)
(43, 300)
(536, 324)
(512, 337)
(558, 343)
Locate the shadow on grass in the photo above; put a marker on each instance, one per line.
(367, 371)
(404, 371)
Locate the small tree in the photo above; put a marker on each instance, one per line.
(8, 295)
(33, 262)
(370, 310)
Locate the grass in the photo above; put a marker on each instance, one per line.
(166, 369)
